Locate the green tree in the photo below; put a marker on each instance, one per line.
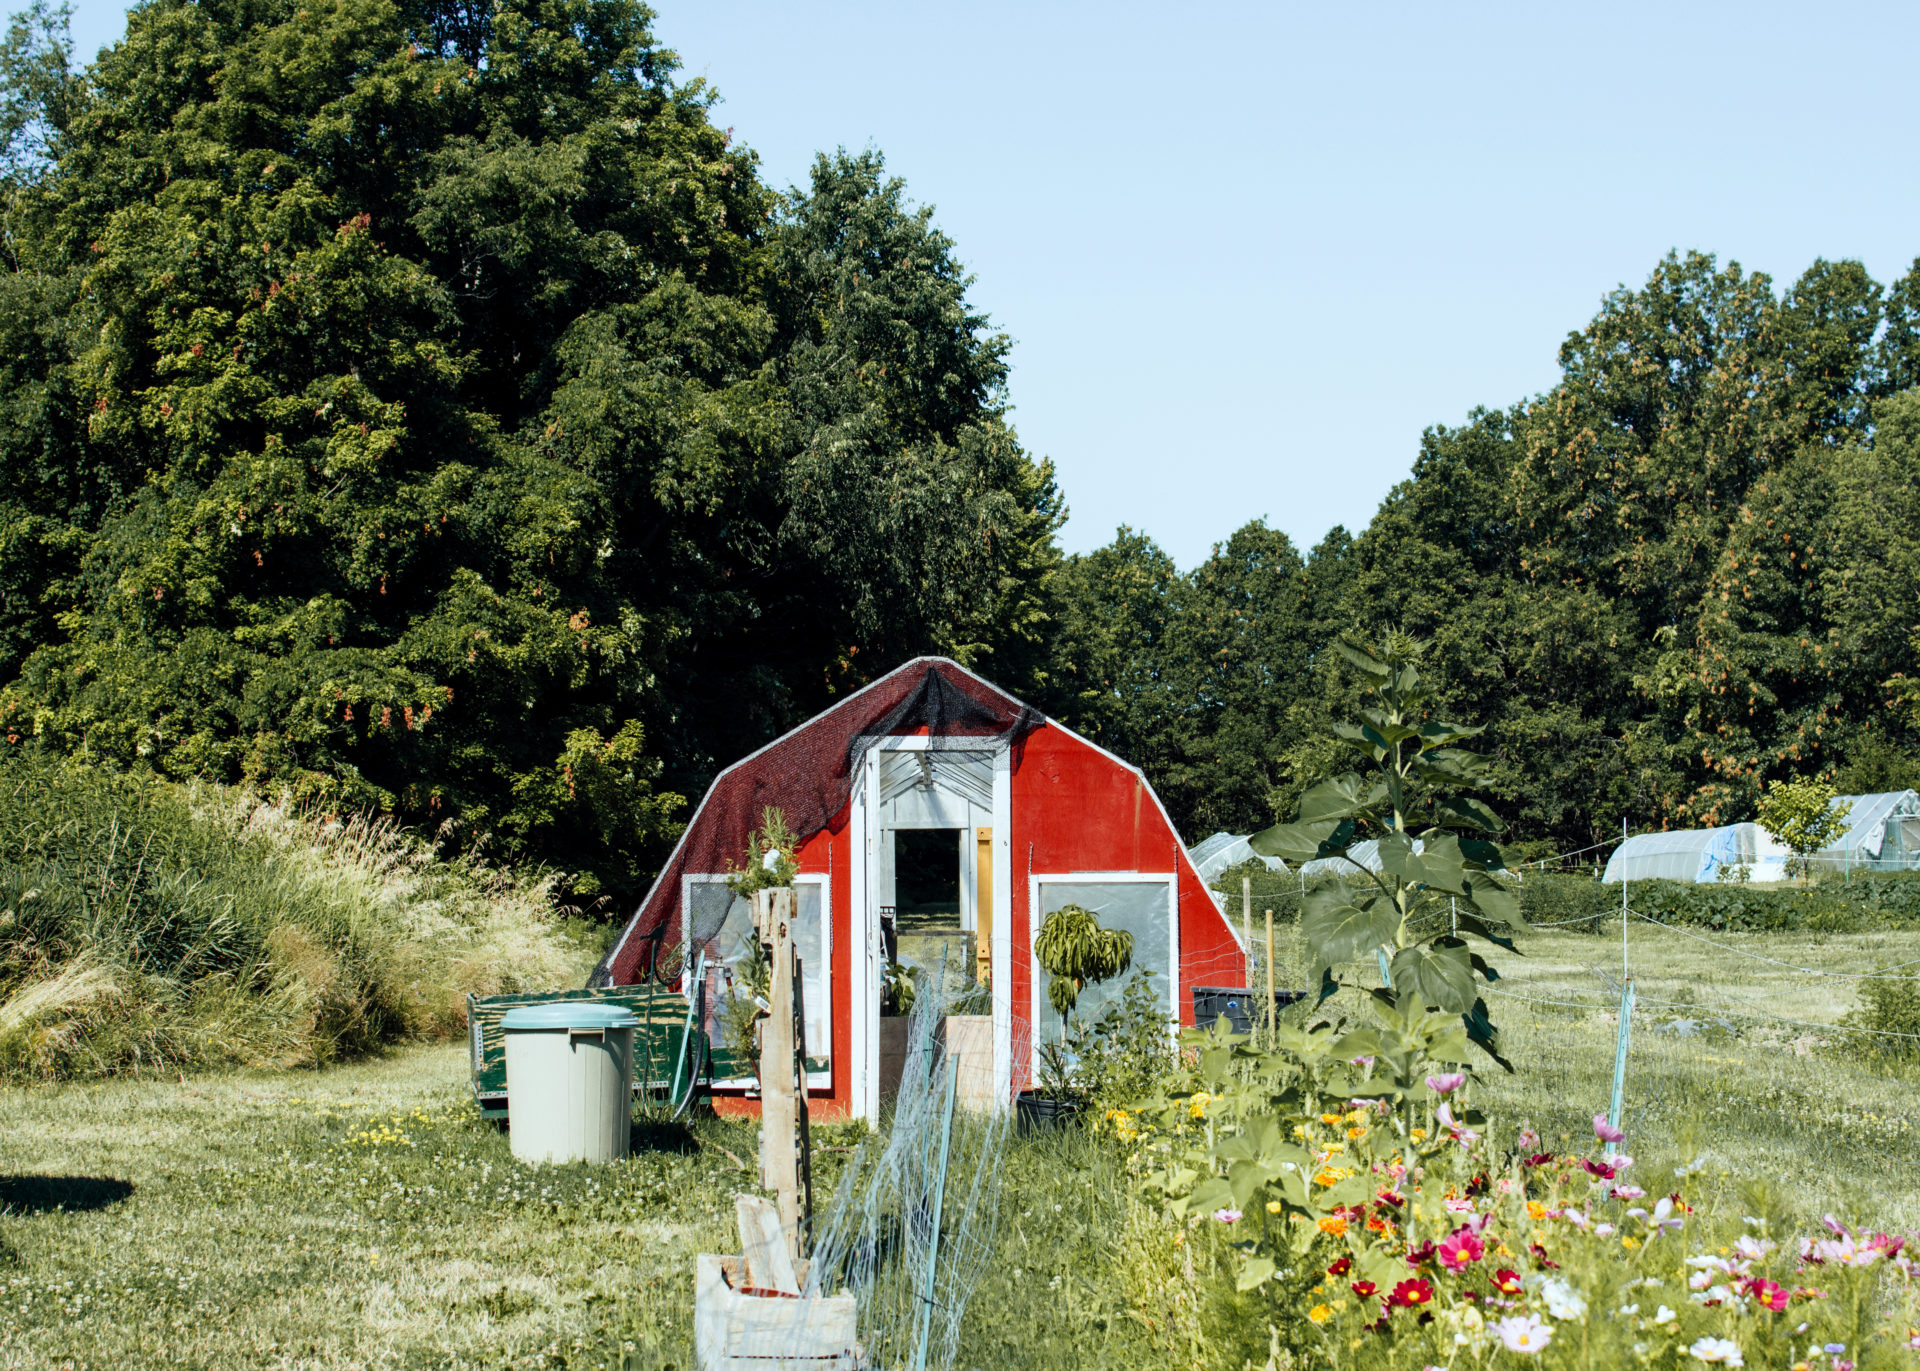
(1802, 817)
(429, 409)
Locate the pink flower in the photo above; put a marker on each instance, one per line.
(1629, 1192)
(1227, 1215)
(1767, 1293)
(1460, 1248)
(1605, 1131)
(1446, 1083)
(1459, 1132)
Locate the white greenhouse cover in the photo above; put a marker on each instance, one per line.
(1365, 854)
(1211, 856)
(1870, 819)
(1689, 854)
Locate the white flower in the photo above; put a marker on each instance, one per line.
(1523, 1333)
(1664, 1317)
(1603, 1230)
(1722, 1350)
(1563, 1301)
(1628, 1309)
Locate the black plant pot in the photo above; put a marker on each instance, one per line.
(1034, 1110)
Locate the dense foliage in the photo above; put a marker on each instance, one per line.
(150, 927)
(428, 408)
(1684, 571)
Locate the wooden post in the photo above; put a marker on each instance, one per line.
(983, 905)
(779, 1110)
(1267, 1009)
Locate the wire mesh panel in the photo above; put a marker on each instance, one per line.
(914, 1221)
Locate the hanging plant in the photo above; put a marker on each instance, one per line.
(1077, 952)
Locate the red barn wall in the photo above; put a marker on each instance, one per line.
(1076, 809)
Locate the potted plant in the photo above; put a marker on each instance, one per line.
(1075, 952)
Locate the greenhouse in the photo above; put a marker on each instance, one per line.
(1223, 852)
(1691, 854)
(1883, 834)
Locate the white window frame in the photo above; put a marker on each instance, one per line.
(1170, 879)
(816, 1080)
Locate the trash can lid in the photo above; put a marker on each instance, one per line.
(569, 1014)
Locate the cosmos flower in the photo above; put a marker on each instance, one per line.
(1724, 1351)
(1523, 1333)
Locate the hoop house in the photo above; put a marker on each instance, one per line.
(928, 768)
(1696, 854)
(1883, 834)
(1223, 852)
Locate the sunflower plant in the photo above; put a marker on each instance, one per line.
(1437, 878)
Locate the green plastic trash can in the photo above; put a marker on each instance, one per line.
(569, 1081)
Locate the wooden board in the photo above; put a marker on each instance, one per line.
(736, 1332)
(763, 1243)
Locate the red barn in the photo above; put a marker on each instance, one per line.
(1034, 816)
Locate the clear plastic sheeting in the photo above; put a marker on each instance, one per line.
(1142, 908)
(1694, 855)
(1883, 834)
(1365, 854)
(1223, 852)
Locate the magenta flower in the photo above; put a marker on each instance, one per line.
(1460, 1248)
(1605, 1131)
(1447, 1083)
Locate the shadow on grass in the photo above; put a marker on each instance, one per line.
(662, 1135)
(73, 1194)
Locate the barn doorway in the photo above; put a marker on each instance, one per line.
(926, 876)
(931, 929)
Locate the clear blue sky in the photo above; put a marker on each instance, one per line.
(1248, 252)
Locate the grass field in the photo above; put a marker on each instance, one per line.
(362, 1216)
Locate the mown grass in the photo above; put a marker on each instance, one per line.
(362, 1216)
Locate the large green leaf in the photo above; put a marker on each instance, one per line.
(1295, 842)
(1494, 900)
(1340, 926)
(1342, 797)
(1463, 811)
(1441, 972)
(1369, 665)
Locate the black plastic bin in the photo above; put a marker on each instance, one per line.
(1237, 1003)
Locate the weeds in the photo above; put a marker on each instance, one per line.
(147, 927)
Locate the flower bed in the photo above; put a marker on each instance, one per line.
(1376, 1220)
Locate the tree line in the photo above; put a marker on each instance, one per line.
(427, 407)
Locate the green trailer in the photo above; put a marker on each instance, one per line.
(672, 1056)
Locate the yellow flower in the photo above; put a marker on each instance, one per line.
(1198, 1109)
(1356, 1133)
(1334, 1147)
(1536, 1210)
(1334, 1226)
(1356, 1115)
(1331, 1175)
(1329, 1119)
(1179, 1238)
(1628, 1241)
(1274, 1206)
(1299, 1130)
(1419, 1135)
(1320, 1313)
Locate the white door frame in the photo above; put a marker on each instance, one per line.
(864, 880)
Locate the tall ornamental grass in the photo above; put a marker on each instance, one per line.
(148, 927)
